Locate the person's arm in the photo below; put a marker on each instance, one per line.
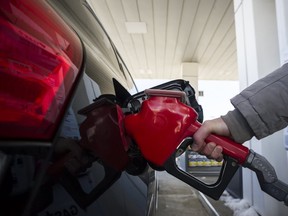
(263, 105)
(260, 110)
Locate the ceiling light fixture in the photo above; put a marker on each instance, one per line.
(136, 27)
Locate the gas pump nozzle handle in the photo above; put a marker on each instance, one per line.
(230, 148)
(265, 172)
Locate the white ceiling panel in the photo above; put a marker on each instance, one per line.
(178, 31)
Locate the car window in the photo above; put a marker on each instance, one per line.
(103, 62)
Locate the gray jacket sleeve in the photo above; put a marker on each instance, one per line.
(261, 109)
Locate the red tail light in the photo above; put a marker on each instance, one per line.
(40, 60)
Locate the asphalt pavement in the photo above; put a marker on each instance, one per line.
(177, 198)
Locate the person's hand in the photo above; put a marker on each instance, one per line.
(211, 150)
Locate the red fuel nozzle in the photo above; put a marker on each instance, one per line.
(161, 125)
(164, 122)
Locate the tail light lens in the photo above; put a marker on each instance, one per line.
(40, 61)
